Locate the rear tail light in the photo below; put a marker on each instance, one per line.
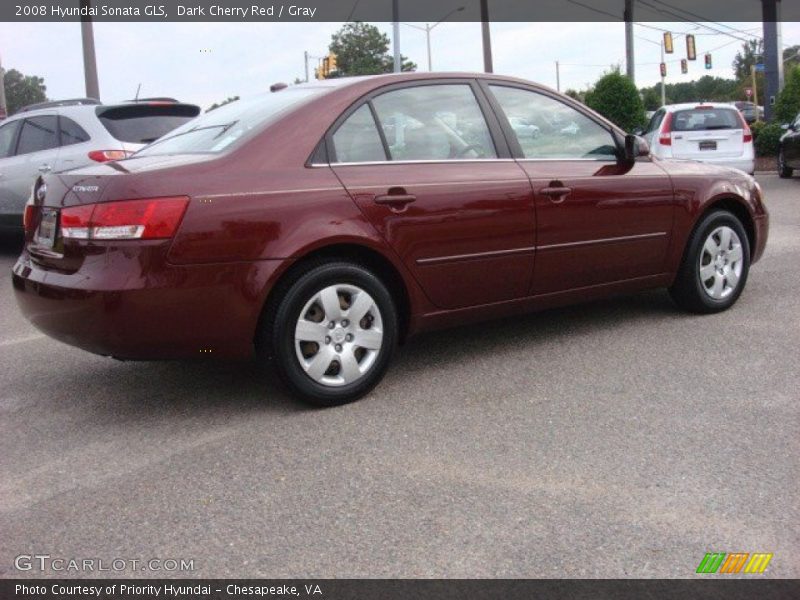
(106, 155)
(747, 134)
(665, 138)
(150, 219)
(29, 217)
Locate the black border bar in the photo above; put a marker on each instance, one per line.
(405, 589)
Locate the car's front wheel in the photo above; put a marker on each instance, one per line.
(784, 171)
(333, 332)
(715, 265)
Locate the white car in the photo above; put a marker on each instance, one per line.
(709, 132)
(63, 135)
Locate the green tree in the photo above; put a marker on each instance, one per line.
(361, 49)
(651, 98)
(787, 104)
(616, 98)
(22, 90)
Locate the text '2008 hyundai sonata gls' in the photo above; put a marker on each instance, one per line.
(322, 224)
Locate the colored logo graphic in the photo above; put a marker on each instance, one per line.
(737, 562)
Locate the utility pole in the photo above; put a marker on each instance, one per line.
(755, 95)
(487, 38)
(398, 59)
(663, 82)
(630, 69)
(3, 107)
(305, 56)
(89, 58)
(558, 78)
(773, 59)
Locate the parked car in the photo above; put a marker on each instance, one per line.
(292, 225)
(57, 136)
(750, 111)
(713, 133)
(789, 149)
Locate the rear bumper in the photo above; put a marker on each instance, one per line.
(747, 165)
(131, 304)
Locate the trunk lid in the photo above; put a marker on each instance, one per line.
(707, 132)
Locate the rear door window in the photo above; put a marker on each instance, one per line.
(434, 122)
(705, 119)
(8, 135)
(144, 123)
(37, 134)
(358, 140)
(71, 132)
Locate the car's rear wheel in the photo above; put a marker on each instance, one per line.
(783, 170)
(333, 332)
(715, 265)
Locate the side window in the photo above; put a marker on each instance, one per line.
(357, 139)
(38, 133)
(655, 121)
(8, 133)
(434, 122)
(547, 128)
(71, 132)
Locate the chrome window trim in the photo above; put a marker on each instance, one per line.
(458, 161)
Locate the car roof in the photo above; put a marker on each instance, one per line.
(692, 105)
(77, 110)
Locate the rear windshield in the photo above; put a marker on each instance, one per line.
(704, 119)
(144, 123)
(218, 129)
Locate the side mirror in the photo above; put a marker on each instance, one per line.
(638, 131)
(635, 147)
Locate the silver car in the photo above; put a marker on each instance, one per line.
(58, 136)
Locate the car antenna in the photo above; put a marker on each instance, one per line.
(136, 98)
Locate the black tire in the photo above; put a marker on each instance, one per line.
(688, 291)
(276, 338)
(784, 172)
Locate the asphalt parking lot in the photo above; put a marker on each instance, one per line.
(617, 439)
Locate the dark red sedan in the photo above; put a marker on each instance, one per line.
(322, 224)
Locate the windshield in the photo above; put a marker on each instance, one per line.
(705, 119)
(219, 129)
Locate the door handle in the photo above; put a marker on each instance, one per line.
(45, 168)
(396, 198)
(556, 193)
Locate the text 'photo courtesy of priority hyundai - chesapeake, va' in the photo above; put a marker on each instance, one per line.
(399, 299)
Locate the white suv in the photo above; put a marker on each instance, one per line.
(57, 136)
(709, 132)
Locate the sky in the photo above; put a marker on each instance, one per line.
(204, 63)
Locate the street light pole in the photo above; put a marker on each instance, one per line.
(3, 107)
(428, 28)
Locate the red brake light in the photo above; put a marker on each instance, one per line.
(28, 217)
(153, 218)
(747, 134)
(665, 138)
(106, 155)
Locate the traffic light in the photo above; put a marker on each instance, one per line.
(668, 47)
(684, 66)
(708, 61)
(691, 49)
(663, 69)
